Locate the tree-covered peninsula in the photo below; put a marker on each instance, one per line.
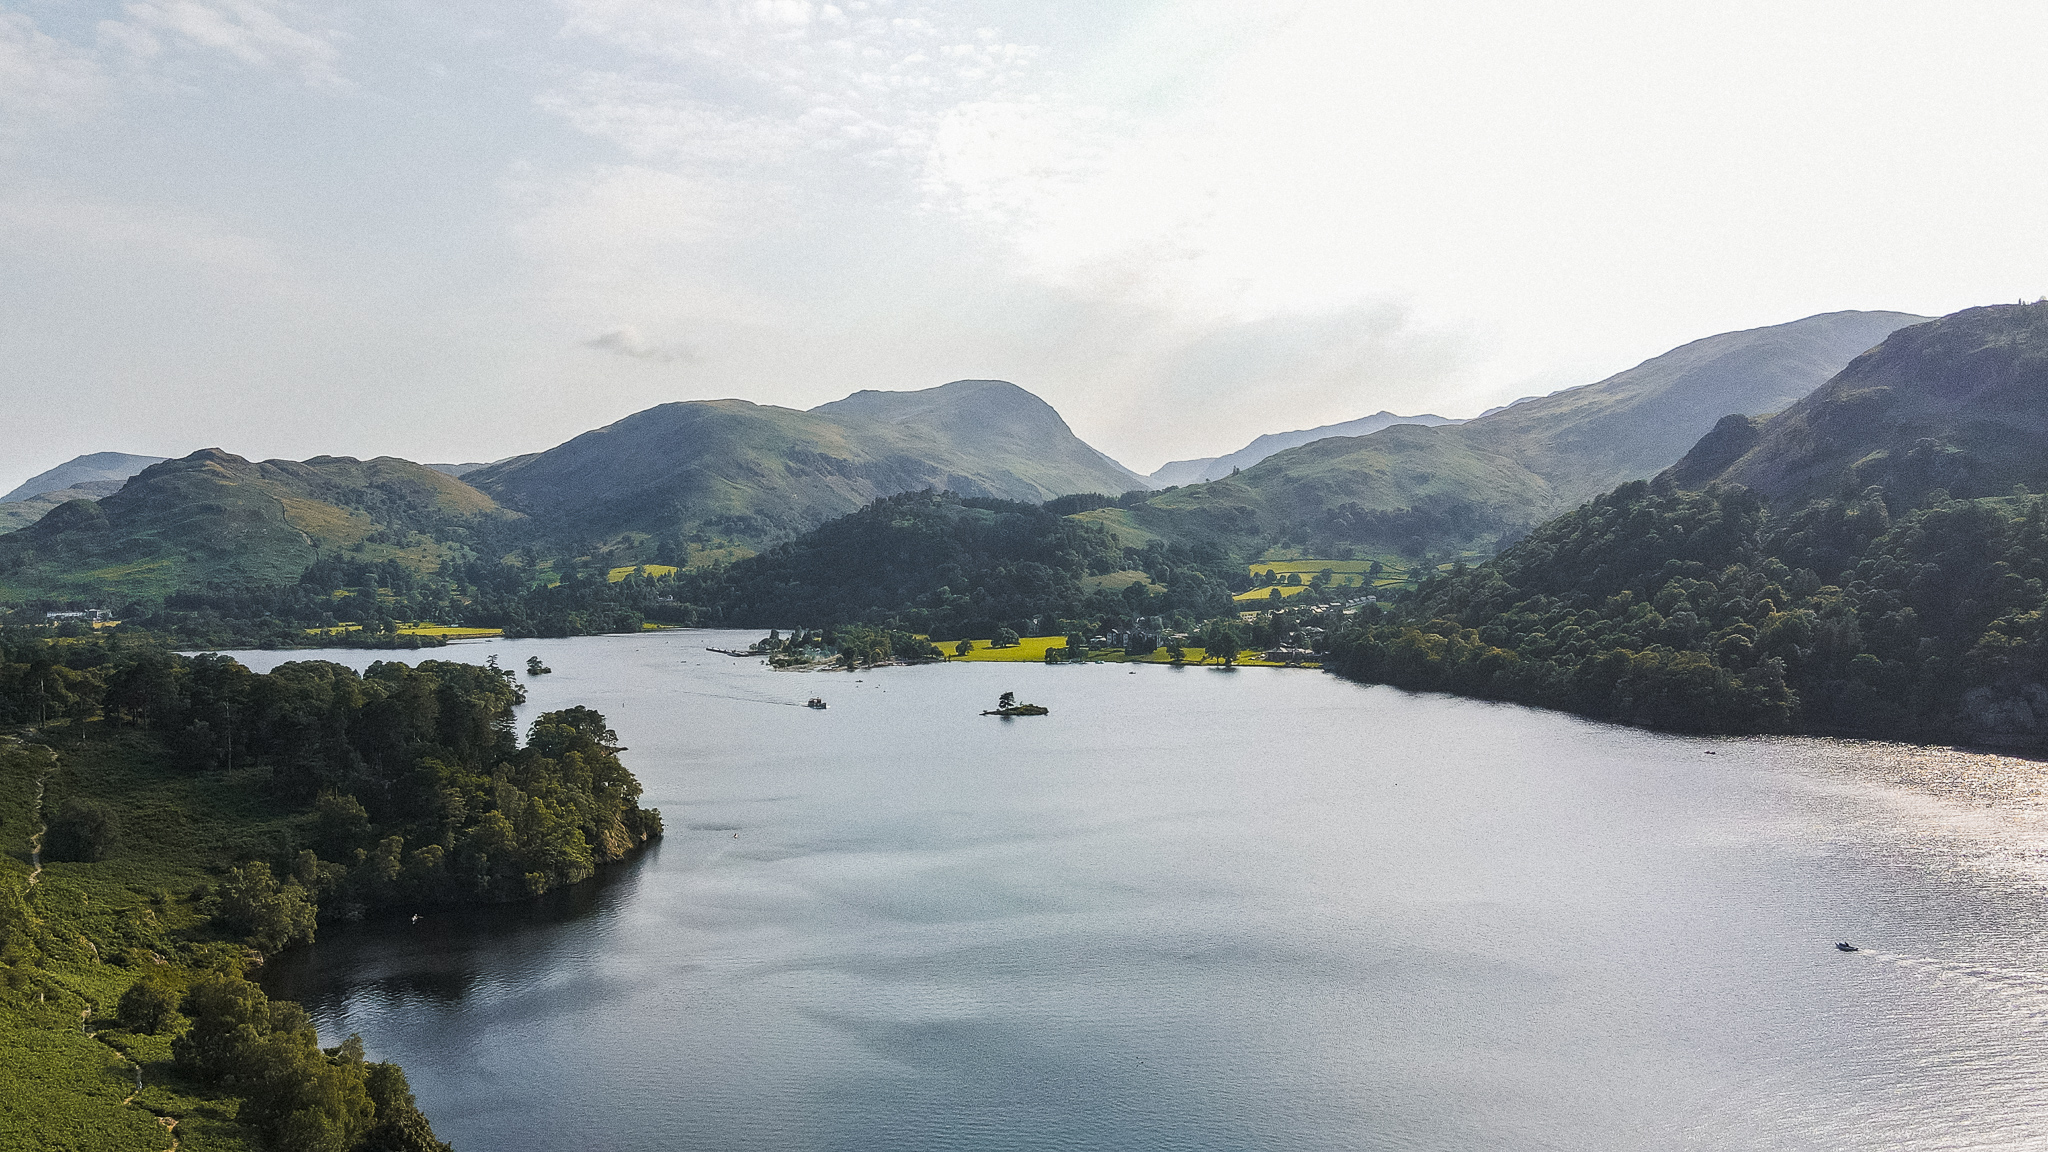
(171, 821)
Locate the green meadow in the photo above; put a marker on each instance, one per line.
(1032, 649)
(69, 1067)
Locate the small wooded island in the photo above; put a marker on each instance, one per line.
(1006, 705)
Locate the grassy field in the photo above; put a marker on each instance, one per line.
(69, 1071)
(1118, 581)
(1356, 573)
(1343, 573)
(1031, 649)
(1261, 595)
(618, 574)
(449, 632)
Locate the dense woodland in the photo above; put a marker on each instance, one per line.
(1703, 611)
(413, 785)
(953, 567)
(233, 811)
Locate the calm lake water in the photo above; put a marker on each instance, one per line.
(1194, 909)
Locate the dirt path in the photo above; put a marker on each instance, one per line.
(169, 1123)
(35, 840)
(35, 856)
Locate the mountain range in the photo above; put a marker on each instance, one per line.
(1466, 487)
(729, 471)
(699, 481)
(1955, 405)
(1868, 562)
(215, 517)
(81, 478)
(97, 468)
(1176, 472)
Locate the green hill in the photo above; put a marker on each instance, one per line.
(1959, 404)
(24, 512)
(1470, 485)
(213, 516)
(1218, 467)
(729, 470)
(94, 468)
(1869, 562)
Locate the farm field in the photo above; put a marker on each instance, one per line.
(1031, 649)
(444, 631)
(449, 632)
(1261, 595)
(618, 574)
(1343, 573)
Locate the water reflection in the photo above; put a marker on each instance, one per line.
(1196, 910)
(449, 954)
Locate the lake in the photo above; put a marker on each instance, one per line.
(1199, 909)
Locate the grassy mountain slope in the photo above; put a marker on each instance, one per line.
(22, 513)
(96, 467)
(213, 516)
(1218, 467)
(1959, 404)
(1471, 484)
(755, 473)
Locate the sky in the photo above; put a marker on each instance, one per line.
(456, 230)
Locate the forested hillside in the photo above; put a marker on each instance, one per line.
(1851, 590)
(954, 567)
(1699, 611)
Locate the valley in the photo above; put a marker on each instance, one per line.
(1856, 550)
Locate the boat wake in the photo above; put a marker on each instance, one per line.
(2023, 988)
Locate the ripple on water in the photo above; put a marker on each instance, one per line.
(1200, 911)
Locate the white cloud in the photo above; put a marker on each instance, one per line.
(807, 93)
(259, 33)
(42, 79)
(658, 121)
(1181, 222)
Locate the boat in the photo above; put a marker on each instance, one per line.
(1845, 946)
(815, 702)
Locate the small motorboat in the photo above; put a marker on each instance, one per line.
(815, 702)
(1845, 946)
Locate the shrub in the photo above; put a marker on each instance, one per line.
(83, 830)
(149, 1005)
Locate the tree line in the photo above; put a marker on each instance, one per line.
(414, 786)
(1705, 611)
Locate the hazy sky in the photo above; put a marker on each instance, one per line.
(455, 231)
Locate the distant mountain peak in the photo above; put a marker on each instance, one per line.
(758, 473)
(94, 467)
(1218, 467)
(1958, 404)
